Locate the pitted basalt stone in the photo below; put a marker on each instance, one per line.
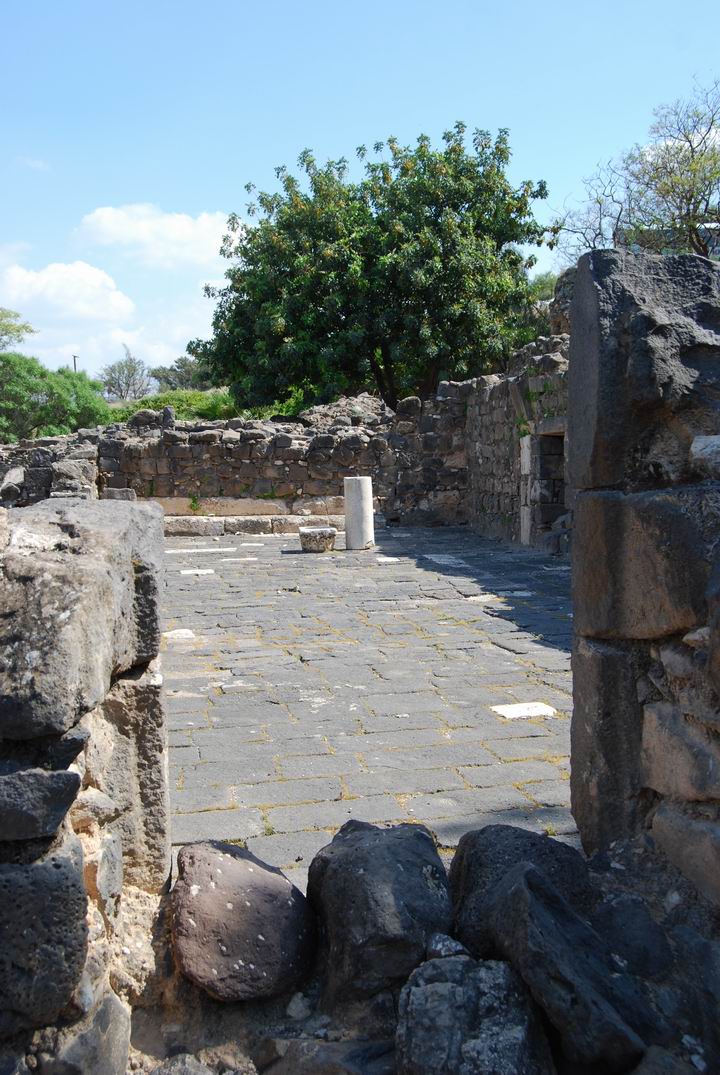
(380, 894)
(317, 538)
(644, 366)
(240, 929)
(43, 936)
(33, 802)
(80, 592)
(600, 1012)
(483, 860)
(460, 1017)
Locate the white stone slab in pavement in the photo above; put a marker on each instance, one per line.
(524, 710)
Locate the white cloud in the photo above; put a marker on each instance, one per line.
(74, 290)
(35, 164)
(157, 238)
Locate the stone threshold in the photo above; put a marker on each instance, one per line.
(213, 525)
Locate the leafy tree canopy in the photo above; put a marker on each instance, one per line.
(12, 330)
(35, 401)
(663, 196)
(185, 372)
(412, 273)
(128, 378)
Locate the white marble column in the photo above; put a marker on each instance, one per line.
(359, 522)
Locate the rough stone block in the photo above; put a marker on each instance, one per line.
(644, 367)
(459, 1016)
(192, 526)
(127, 760)
(244, 524)
(606, 734)
(34, 802)
(43, 936)
(379, 894)
(680, 758)
(100, 1043)
(80, 603)
(641, 562)
(691, 841)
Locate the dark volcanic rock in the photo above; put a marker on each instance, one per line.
(43, 936)
(80, 595)
(99, 1044)
(240, 928)
(485, 856)
(380, 894)
(33, 802)
(626, 925)
(600, 1011)
(460, 1017)
(644, 367)
(183, 1065)
(440, 946)
(299, 1057)
(658, 1061)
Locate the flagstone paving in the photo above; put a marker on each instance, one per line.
(307, 689)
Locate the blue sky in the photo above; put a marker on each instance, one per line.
(129, 129)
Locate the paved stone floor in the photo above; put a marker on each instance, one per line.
(303, 690)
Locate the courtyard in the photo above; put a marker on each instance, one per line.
(304, 690)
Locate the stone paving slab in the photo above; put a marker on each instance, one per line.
(315, 688)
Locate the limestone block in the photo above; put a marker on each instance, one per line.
(79, 595)
(43, 935)
(244, 524)
(679, 758)
(223, 505)
(133, 771)
(641, 562)
(644, 367)
(606, 734)
(692, 843)
(191, 525)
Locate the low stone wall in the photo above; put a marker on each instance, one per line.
(645, 434)
(469, 455)
(84, 809)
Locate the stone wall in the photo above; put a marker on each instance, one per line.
(473, 454)
(84, 808)
(644, 426)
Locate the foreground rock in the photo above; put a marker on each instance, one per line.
(460, 1017)
(240, 929)
(380, 894)
(43, 936)
(297, 1057)
(600, 1011)
(34, 802)
(72, 621)
(485, 856)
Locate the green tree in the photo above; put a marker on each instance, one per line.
(185, 372)
(412, 273)
(128, 378)
(662, 196)
(35, 401)
(12, 330)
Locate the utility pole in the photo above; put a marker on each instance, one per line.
(74, 358)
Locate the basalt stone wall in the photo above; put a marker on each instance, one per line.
(83, 774)
(472, 454)
(644, 424)
(476, 453)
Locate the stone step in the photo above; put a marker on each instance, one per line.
(212, 525)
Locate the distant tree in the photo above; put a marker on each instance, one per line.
(35, 401)
(12, 330)
(413, 273)
(128, 378)
(185, 372)
(663, 196)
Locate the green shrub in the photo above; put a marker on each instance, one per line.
(187, 403)
(37, 402)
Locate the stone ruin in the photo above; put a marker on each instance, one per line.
(488, 453)
(528, 957)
